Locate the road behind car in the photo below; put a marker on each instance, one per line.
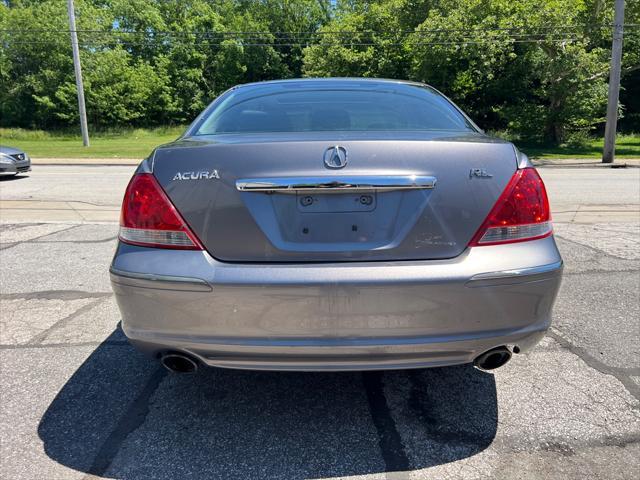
(78, 402)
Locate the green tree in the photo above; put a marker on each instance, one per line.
(364, 40)
(292, 24)
(32, 66)
(537, 69)
(119, 91)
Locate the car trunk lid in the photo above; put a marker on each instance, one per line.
(288, 198)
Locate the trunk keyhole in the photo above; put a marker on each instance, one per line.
(366, 199)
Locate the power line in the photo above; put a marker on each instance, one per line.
(426, 37)
(325, 32)
(332, 44)
(523, 37)
(253, 42)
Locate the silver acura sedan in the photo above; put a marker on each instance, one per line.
(335, 224)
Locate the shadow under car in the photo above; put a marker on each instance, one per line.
(121, 415)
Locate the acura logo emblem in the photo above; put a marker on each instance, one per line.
(335, 157)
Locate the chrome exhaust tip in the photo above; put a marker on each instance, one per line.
(494, 358)
(178, 363)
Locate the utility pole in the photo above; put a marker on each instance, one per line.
(78, 70)
(614, 84)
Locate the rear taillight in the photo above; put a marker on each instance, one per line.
(521, 213)
(149, 218)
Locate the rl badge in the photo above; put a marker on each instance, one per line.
(204, 174)
(480, 173)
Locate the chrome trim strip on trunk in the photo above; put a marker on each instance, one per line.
(336, 183)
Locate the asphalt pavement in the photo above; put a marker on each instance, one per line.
(77, 402)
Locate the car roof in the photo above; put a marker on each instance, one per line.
(326, 81)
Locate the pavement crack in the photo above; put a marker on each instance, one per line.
(620, 374)
(24, 346)
(590, 247)
(391, 447)
(104, 240)
(131, 420)
(599, 272)
(57, 200)
(54, 295)
(60, 323)
(32, 240)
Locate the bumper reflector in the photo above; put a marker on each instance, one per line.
(515, 232)
(168, 238)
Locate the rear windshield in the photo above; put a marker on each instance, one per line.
(315, 110)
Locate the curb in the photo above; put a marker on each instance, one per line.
(132, 162)
(80, 164)
(584, 165)
(110, 162)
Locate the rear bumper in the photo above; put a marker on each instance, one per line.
(347, 316)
